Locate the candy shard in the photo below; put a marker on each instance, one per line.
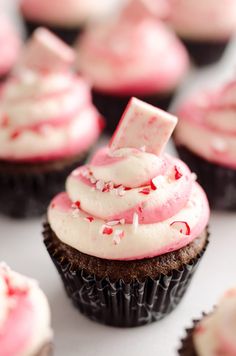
(44, 51)
(143, 125)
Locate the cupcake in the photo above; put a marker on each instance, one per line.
(206, 140)
(205, 26)
(24, 316)
(134, 54)
(128, 233)
(9, 46)
(214, 334)
(47, 126)
(66, 18)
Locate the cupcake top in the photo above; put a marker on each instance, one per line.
(215, 333)
(133, 54)
(132, 201)
(203, 19)
(24, 315)
(45, 109)
(207, 125)
(9, 45)
(68, 13)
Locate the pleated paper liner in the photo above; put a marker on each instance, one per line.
(112, 107)
(27, 188)
(119, 303)
(204, 53)
(218, 181)
(68, 35)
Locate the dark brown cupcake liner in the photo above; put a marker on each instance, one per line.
(205, 53)
(112, 107)
(27, 188)
(218, 181)
(119, 303)
(69, 35)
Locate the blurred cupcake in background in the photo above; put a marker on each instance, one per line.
(66, 18)
(9, 46)
(47, 125)
(24, 316)
(205, 26)
(214, 334)
(206, 140)
(133, 54)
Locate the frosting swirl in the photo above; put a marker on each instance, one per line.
(215, 333)
(132, 56)
(129, 204)
(49, 112)
(9, 44)
(24, 315)
(69, 13)
(209, 118)
(203, 19)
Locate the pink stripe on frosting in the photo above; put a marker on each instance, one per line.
(123, 218)
(209, 118)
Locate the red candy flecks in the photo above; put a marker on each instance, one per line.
(178, 174)
(152, 185)
(181, 226)
(145, 191)
(107, 230)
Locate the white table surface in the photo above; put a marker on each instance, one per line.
(22, 248)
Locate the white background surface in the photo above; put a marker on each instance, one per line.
(22, 248)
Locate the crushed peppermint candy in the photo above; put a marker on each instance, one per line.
(106, 230)
(100, 185)
(145, 191)
(135, 222)
(153, 185)
(112, 223)
(178, 174)
(89, 218)
(181, 226)
(118, 235)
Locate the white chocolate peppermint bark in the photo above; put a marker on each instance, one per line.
(143, 125)
(128, 203)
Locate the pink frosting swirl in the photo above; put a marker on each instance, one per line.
(129, 204)
(209, 118)
(23, 331)
(9, 45)
(51, 113)
(132, 56)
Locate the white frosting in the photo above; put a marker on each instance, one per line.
(215, 333)
(52, 114)
(203, 19)
(141, 223)
(207, 126)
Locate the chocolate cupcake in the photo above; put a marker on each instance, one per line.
(65, 18)
(130, 230)
(24, 316)
(206, 140)
(9, 46)
(47, 126)
(134, 54)
(214, 334)
(205, 26)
